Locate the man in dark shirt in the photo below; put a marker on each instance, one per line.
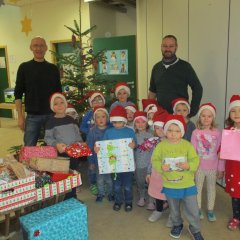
(38, 80)
(171, 77)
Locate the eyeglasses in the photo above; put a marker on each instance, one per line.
(38, 46)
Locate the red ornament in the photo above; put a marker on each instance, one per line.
(77, 150)
(36, 233)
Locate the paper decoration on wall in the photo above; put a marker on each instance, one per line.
(1, 3)
(26, 25)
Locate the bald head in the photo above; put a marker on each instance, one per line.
(39, 47)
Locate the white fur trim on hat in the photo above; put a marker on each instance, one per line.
(140, 117)
(127, 89)
(71, 110)
(233, 104)
(90, 99)
(100, 109)
(131, 108)
(208, 107)
(153, 109)
(181, 102)
(54, 96)
(174, 121)
(158, 123)
(118, 119)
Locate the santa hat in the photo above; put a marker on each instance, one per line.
(118, 114)
(209, 106)
(153, 110)
(54, 96)
(177, 101)
(97, 109)
(122, 85)
(234, 102)
(140, 115)
(149, 104)
(175, 119)
(70, 108)
(94, 94)
(159, 118)
(131, 107)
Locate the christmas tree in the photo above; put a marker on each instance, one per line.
(79, 69)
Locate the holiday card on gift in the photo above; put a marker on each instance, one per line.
(230, 145)
(115, 156)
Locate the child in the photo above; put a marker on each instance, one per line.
(177, 161)
(206, 140)
(122, 93)
(130, 110)
(142, 156)
(96, 99)
(150, 106)
(118, 118)
(154, 179)
(61, 130)
(232, 169)
(182, 107)
(71, 111)
(96, 133)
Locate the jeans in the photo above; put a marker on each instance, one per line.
(104, 184)
(33, 126)
(123, 180)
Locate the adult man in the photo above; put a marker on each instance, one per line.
(38, 80)
(171, 77)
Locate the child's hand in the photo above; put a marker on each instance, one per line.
(220, 175)
(183, 165)
(83, 143)
(96, 149)
(132, 145)
(92, 166)
(61, 147)
(166, 167)
(148, 178)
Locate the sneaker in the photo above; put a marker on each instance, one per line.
(93, 189)
(195, 236)
(151, 206)
(116, 206)
(169, 223)
(211, 216)
(156, 215)
(201, 216)
(99, 198)
(110, 197)
(128, 207)
(141, 202)
(176, 231)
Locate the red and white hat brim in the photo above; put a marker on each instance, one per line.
(53, 97)
(131, 108)
(140, 118)
(158, 123)
(181, 102)
(127, 89)
(95, 95)
(100, 109)
(118, 119)
(174, 121)
(234, 104)
(154, 108)
(208, 107)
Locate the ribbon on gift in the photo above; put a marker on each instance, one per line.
(148, 144)
(77, 150)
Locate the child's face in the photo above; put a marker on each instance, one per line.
(72, 114)
(59, 106)
(235, 115)
(140, 125)
(122, 95)
(101, 119)
(174, 134)
(159, 131)
(130, 115)
(182, 109)
(150, 115)
(97, 102)
(206, 118)
(119, 124)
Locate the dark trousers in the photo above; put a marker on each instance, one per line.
(236, 208)
(159, 205)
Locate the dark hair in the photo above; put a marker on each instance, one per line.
(229, 122)
(170, 36)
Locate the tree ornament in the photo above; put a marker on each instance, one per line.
(67, 88)
(90, 51)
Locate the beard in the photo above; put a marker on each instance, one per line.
(168, 54)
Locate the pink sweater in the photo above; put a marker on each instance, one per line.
(206, 144)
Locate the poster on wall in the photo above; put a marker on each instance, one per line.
(2, 62)
(116, 62)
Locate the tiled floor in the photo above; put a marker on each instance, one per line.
(106, 224)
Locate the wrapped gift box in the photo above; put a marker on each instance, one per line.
(17, 193)
(28, 152)
(59, 187)
(65, 220)
(115, 156)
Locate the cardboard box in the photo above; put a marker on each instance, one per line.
(65, 220)
(17, 193)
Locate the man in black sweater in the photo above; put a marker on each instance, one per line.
(171, 77)
(38, 80)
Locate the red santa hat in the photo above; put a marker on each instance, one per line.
(175, 119)
(122, 85)
(131, 107)
(140, 115)
(149, 104)
(234, 102)
(177, 101)
(209, 106)
(54, 96)
(70, 108)
(159, 118)
(118, 114)
(94, 94)
(97, 109)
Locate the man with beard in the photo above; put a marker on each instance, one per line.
(171, 77)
